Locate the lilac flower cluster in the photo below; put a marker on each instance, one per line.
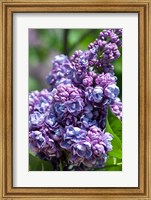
(67, 122)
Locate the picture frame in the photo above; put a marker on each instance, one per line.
(8, 8)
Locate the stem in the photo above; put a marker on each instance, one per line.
(60, 166)
(65, 39)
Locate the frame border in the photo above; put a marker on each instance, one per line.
(7, 8)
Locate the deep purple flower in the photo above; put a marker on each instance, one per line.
(69, 119)
(111, 53)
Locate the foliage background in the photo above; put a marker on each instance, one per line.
(44, 45)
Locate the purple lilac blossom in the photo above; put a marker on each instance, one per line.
(116, 108)
(67, 122)
(87, 147)
(62, 71)
(104, 50)
(67, 99)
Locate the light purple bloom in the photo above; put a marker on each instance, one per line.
(36, 119)
(116, 107)
(94, 94)
(111, 91)
(104, 80)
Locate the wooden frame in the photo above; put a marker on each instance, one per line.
(143, 8)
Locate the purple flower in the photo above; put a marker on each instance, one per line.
(94, 94)
(63, 93)
(104, 50)
(88, 79)
(69, 119)
(58, 134)
(89, 148)
(111, 35)
(67, 122)
(81, 152)
(67, 100)
(97, 94)
(36, 119)
(116, 107)
(40, 142)
(104, 80)
(51, 121)
(61, 70)
(60, 108)
(71, 136)
(74, 106)
(39, 101)
(111, 53)
(79, 60)
(111, 91)
(87, 120)
(37, 140)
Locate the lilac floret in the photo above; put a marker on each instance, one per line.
(39, 101)
(111, 91)
(61, 70)
(105, 79)
(40, 142)
(111, 53)
(74, 106)
(116, 107)
(68, 99)
(94, 94)
(71, 136)
(36, 119)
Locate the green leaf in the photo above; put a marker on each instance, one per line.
(47, 166)
(112, 161)
(116, 142)
(36, 164)
(112, 168)
(115, 124)
(112, 164)
(118, 65)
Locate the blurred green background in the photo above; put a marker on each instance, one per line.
(45, 44)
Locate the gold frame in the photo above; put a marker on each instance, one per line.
(7, 8)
